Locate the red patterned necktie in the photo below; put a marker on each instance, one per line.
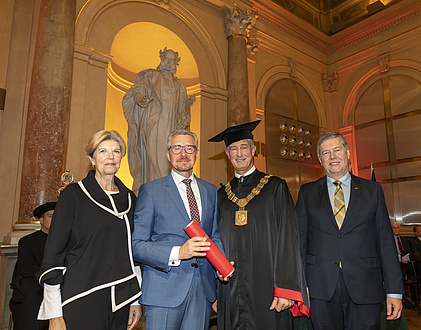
(400, 246)
(194, 211)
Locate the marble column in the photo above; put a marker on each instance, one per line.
(238, 24)
(49, 106)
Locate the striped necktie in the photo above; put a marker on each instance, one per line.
(339, 201)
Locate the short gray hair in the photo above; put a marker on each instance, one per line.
(182, 132)
(328, 136)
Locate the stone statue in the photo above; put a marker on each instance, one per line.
(154, 106)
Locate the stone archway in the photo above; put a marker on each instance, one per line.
(97, 25)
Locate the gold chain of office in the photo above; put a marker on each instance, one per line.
(241, 214)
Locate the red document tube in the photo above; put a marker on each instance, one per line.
(214, 255)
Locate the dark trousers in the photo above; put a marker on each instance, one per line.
(94, 312)
(341, 313)
(25, 314)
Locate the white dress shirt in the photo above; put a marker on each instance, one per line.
(182, 189)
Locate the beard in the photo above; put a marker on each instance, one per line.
(167, 67)
(183, 167)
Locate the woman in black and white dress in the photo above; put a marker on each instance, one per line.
(88, 274)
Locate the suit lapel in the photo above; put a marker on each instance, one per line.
(174, 194)
(203, 198)
(324, 198)
(354, 199)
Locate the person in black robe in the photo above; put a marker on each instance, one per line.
(27, 293)
(259, 231)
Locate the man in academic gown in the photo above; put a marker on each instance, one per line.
(27, 293)
(259, 231)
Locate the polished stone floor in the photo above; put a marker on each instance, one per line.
(412, 318)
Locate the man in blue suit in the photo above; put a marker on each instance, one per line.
(179, 283)
(346, 244)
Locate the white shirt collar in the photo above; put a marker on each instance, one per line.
(250, 171)
(179, 178)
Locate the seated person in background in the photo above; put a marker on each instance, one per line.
(402, 248)
(415, 245)
(27, 293)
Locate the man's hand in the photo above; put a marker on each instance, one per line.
(194, 247)
(57, 323)
(215, 306)
(394, 308)
(281, 304)
(225, 279)
(134, 316)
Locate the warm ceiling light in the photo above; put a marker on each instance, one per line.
(375, 6)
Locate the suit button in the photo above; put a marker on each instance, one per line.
(340, 236)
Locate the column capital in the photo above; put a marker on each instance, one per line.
(239, 22)
(252, 47)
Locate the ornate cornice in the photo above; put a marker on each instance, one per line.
(373, 30)
(283, 21)
(273, 18)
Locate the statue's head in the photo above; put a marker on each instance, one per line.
(169, 60)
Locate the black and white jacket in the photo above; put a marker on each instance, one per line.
(89, 244)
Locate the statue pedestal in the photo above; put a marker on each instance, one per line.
(20, 229)
(8, 258)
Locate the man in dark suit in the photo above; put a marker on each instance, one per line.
(27, 293)
(346, 244)
(179, 283)
(402, 249)
(401, 243)
(415, 245)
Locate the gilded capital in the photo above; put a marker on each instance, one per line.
(239, 21)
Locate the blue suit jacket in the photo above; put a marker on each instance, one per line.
(160, 217)
(364, 245)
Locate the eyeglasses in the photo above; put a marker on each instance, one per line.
(190, 149)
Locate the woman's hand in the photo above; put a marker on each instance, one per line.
(57, 324)
(134, 316)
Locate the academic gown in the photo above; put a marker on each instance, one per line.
(266, 257)
(27, 293)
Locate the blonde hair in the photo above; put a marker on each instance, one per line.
(102, 136)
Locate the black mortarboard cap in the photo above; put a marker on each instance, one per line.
(236, 133)
(40, 210)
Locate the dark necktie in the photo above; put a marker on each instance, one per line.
(194, 211)
(400, 246)
(339, 201)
